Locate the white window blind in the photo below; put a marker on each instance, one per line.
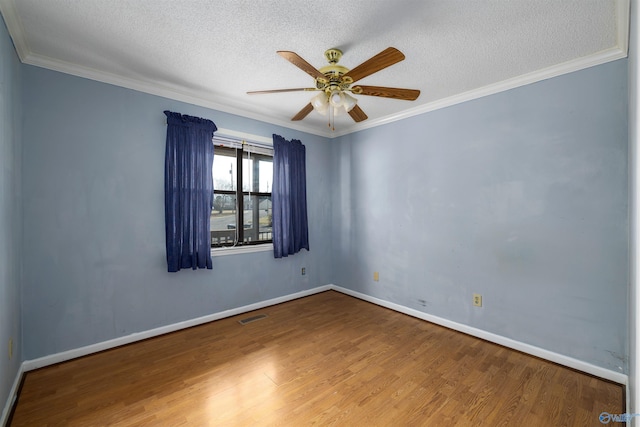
(249, 143)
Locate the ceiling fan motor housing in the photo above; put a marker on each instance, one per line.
(333, 73)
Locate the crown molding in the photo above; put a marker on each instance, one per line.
(162, 90)
(16, 30)
(156, 88)
(623, 22)
(522, 80)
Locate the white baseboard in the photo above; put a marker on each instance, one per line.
(13, 395)
(498, 339)
(30, 365)
(570, 362)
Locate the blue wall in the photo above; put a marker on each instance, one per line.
(520, 196)
(94, 219)
(10, 213)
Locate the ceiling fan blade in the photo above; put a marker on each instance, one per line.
(390, 92)
(357, 114)
(303, 113)
(384, 59)
(297, 89)
(297, 60)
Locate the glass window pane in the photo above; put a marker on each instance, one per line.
(224, 169)
(223, 220)
(257, 173)
(257, 211)
(266, 175)
(247, 173)
(266, 217)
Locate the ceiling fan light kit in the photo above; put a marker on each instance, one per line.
(348, 102)
(320, 103)
(335, 81)
(336, 98)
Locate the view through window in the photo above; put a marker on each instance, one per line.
(242, 180)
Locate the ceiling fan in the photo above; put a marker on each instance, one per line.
(334, 82)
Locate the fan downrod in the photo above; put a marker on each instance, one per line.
(333, 55)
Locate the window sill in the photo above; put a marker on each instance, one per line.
(241, 249)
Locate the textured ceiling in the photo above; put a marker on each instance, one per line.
(211, 53)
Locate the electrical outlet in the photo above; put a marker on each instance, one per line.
(304, 271)
(477, 300)
(10, 348)
(376, 276)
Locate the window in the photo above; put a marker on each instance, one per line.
(242, 180)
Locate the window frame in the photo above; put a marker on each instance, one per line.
(254, 152)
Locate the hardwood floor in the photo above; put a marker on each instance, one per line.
(327, 359)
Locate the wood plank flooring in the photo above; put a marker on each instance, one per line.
(327, 359)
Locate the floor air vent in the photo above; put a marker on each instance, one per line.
(252, 319)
